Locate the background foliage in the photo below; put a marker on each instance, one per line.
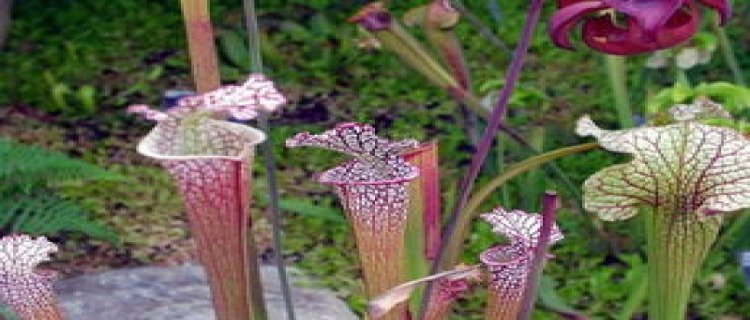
(71, 67)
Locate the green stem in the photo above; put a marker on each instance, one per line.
(616, 70)
(728, 51)
(677, 244)
(500, 146)
(681, 77)
(416, 264)
(535, 179)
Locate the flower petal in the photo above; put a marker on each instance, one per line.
(603, 35)
(650, 15)
(680, 27)
(685, 167)
(373, 17)
(567, 17)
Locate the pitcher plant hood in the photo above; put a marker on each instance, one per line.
(686, 167)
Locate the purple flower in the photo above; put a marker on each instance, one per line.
(626, 27)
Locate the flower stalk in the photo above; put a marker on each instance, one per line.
(205, 65)
(546, 230)
(617, 72)
(728, 51)
(377, 20)
(439, 23)
(425, 197)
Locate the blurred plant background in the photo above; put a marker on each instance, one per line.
(69, 68)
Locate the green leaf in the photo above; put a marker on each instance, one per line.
(636, 281)
(549, 299)
(87, 97)
(234, 49)
(306, 208)
(681, 92)
(735, 98)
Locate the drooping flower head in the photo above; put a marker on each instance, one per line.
(509, 265)
(23, 288)
(626, 27)
(373, 17)
(686, 167)
(373, 190)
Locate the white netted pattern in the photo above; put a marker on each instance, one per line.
(26, 290)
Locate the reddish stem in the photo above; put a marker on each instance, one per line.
(549, 209)
(201, 45)
(426, 159)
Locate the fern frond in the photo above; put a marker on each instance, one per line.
(24, 167)
(49, 215)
